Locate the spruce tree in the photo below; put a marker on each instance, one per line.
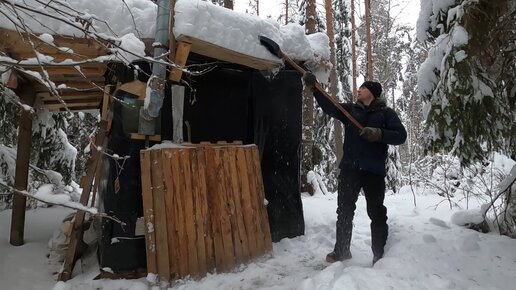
(467, 80)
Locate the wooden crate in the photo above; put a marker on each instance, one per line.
(204, 209)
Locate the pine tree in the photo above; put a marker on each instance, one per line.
(411, 106)
(254, 7)
(289, 14)
(53, 152)
(80, 131)
(225, 3)
(390, 46)
(343, 48)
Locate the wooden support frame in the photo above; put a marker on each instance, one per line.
(21, 177)
(77, 229)
(182, 52)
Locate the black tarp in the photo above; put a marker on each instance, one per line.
(277, 105)
(236, 103)
(228, 103)
(120, 247)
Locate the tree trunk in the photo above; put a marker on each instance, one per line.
(308, 111)
(334, 90)
(368, 37)
(27, 96)
(228, 4)
(286, 12)
(353, 51)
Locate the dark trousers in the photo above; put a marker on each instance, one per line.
(350, 183)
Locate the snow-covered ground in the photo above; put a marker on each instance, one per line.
(424, 251)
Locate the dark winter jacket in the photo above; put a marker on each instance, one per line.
(358, 153)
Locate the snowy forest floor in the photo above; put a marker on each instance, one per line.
(424, 251)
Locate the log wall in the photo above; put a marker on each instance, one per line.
(204, 209)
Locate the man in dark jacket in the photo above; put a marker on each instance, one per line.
(363, 165)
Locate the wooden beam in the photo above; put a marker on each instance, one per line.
(17, 45)
(77, 78)
(85, 84)
(75, 95)
(27, 97)
(105, 106)
(222, 53)
(182, 52)
(76, 106)
(136, 136)
(89, 70)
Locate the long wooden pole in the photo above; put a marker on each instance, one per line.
(368, 36)
(21, 176)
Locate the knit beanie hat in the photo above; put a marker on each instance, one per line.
(374, 87)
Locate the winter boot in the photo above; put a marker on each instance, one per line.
(376, 258)
(333, 257)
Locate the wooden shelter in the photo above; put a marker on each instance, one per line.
(70, 78)
(191, 228)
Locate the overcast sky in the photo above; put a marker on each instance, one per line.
(410, 8)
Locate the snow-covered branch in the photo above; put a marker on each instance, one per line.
(44, 194)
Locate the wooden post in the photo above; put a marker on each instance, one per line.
(27, 96)
(172, 43)
(182, 52)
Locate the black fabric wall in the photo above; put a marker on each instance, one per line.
(277, 106)
(120, 248)
(236, 103)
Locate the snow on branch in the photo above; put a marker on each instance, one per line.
(46, 195)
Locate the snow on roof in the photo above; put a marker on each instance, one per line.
(195, 18)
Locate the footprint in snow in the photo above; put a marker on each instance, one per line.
(438, 222)
(429, 239)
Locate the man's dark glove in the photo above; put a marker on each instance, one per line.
(371, 134)
(309, 80)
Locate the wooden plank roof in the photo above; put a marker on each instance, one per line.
(79, 86)
(79, 80)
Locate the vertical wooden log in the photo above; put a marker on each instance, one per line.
(160, 219)
(235, 191)
(262, 208)
(201, 209)
(182, 52)
(172, 43)
(246, 203)
(179, 214)
(21, 176)
(204, 213)
(148, 212)
(255, 200)
(191, 235)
